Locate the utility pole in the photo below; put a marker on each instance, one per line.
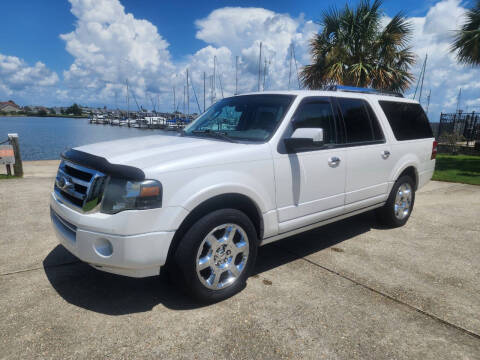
(236, 75)
(259, 65)
(204, 91)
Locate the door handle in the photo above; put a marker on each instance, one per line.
(334, 161)
(385, 154)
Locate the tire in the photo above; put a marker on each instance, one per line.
(399, 205)
(209, 264)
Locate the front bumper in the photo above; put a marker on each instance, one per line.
(137, 255)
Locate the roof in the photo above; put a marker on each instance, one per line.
(6, 103)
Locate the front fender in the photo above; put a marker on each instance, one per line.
(253, 179)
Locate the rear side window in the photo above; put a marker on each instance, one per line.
(317, 113)
(361, 124)
(408, 121)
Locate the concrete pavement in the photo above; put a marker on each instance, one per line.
(350, 290)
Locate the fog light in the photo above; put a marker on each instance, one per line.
(103, 247)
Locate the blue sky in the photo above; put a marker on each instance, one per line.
(51, 54)
(35, 34)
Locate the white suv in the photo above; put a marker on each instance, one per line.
(252, 169)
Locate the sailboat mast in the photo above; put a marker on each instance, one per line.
(296, 66)
(290, 69)
(214, 77)
(259, 65)
(422, 71)
(204, 91)
(174, 104)
(236, 75)
(428, 101)
(458, 100)
(128, 101)
(188, 97)
(264, 73)
(423, 77)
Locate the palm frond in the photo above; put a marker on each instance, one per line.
(354, 49)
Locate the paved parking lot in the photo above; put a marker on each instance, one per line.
(350, 290)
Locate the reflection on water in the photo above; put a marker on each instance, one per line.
(46, 138)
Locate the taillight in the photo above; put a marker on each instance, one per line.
(434, 150)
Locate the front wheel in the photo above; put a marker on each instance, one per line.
(399, 205)
(216, 255)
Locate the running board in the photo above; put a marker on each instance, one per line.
(319, 224)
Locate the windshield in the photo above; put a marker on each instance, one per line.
(246, 117)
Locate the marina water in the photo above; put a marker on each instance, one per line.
(45, 138)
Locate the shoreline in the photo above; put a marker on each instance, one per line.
(49, 116)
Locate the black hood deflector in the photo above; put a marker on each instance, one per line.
(101, 164)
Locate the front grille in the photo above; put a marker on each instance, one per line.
(78, 186)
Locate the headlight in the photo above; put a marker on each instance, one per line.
(123, 195)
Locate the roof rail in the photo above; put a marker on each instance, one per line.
(361, 90)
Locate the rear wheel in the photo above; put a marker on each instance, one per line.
(399, 205)
(216, 255)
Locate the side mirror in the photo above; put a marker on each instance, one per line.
(305, 139)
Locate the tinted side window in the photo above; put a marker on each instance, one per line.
(317, 114)
(357, 122)
(408, 121)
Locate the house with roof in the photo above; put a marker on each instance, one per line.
(9, 106)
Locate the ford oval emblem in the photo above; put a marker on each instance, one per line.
(64, 183)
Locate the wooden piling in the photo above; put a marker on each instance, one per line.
(18, 166)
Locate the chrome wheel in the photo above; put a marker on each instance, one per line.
(403, 201)
(222, 256)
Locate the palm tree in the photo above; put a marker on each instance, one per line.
(467, 40)
(353, 48)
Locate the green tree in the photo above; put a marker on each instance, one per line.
(467, 39)
(42, 112)
(353, 48)
(74, 109)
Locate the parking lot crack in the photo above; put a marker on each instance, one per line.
(38, 268)
(410, 306)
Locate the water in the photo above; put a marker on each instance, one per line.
(44, 138)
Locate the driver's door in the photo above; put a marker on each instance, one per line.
(310, 185)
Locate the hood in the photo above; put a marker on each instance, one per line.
(159, 153)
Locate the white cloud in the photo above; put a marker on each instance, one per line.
(23, 81)
(110, 46)
(238, 32)
(433, 34)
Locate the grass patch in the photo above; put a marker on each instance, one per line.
(5, 176)
(458, 168)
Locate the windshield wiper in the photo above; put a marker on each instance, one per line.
(216, 134)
